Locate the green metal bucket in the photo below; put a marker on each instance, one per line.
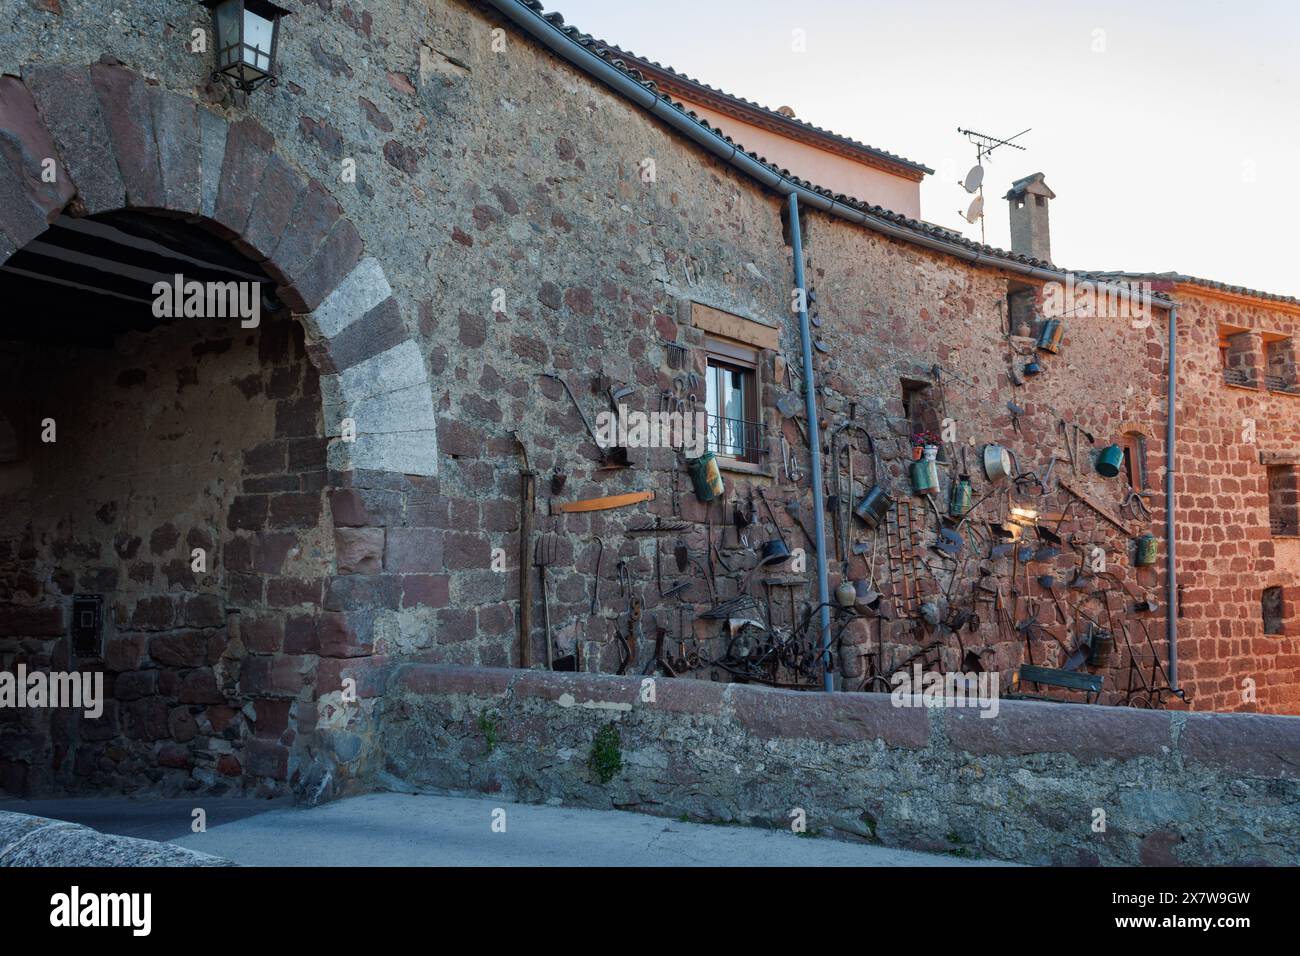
(706, 477)
(963, 496)
(1110, 461)
(925, 477)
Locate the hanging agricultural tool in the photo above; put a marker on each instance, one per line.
(872, 508)
(602, 504)
(612, 457)
(773, 554)
(543, 557)
(527, 505)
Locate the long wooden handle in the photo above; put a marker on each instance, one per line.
(527, 498)
(602, 504)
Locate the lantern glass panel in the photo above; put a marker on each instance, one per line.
(258, 33)
(228, 51)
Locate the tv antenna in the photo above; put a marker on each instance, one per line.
(974, 181)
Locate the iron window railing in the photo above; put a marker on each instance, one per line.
(1281, 526)
(1236, 376)
(1279, 383)
(736, 437)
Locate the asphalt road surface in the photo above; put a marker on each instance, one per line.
(393, 829)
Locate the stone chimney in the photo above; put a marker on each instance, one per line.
(1030, 235)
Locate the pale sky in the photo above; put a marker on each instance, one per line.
(1174, 145)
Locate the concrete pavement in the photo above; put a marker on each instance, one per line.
(393, 829)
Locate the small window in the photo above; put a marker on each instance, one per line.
(1237, 353)
(731, 401)
(922, 413)
(1274, 611)
(1284, 500)
(1279, 364)
(1135, 460)
(1021, 310)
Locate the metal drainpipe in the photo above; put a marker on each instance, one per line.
(814, 445)
(1171, 539)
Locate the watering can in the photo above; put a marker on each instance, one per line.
(963, 496)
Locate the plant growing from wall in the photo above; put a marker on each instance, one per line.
(606, 758)
(487, 723)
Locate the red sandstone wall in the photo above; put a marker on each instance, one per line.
(1228, 555)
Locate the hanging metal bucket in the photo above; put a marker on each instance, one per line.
(706, 476)
(865, 595)
(1147, 551)
(873, 508)
(925, 477)
(774, 552)
(1110, 461)
(1103, 643)
(1049, 338)
(963, 496)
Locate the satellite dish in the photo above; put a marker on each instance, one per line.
(976, 210)
(973, 179)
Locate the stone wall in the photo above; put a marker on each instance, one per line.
(498, 226)
(1038, 783)
(1228, 556)
(185, 488)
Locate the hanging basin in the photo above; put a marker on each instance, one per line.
(1109, 461)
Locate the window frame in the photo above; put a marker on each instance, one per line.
(733, 356)
(1278, 624)
(1283, 517)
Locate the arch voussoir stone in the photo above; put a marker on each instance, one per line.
(28, 201)
(68, 106)
(125, 104)
(378, 379)
(178, 134)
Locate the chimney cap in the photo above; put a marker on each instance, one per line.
(1030, 184)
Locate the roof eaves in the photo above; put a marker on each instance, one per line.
(1184, 279)
(792, 123)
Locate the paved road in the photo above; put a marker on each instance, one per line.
(152, 818)
(390, 829)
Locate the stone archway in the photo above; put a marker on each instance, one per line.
(84, 141)
(111, 141)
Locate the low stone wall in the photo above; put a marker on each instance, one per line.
(26, 840)
(1039, 783)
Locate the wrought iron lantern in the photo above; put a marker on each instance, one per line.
(248, 34)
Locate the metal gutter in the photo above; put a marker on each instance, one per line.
(814, 446)
(1171, 531)
(564, 46)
